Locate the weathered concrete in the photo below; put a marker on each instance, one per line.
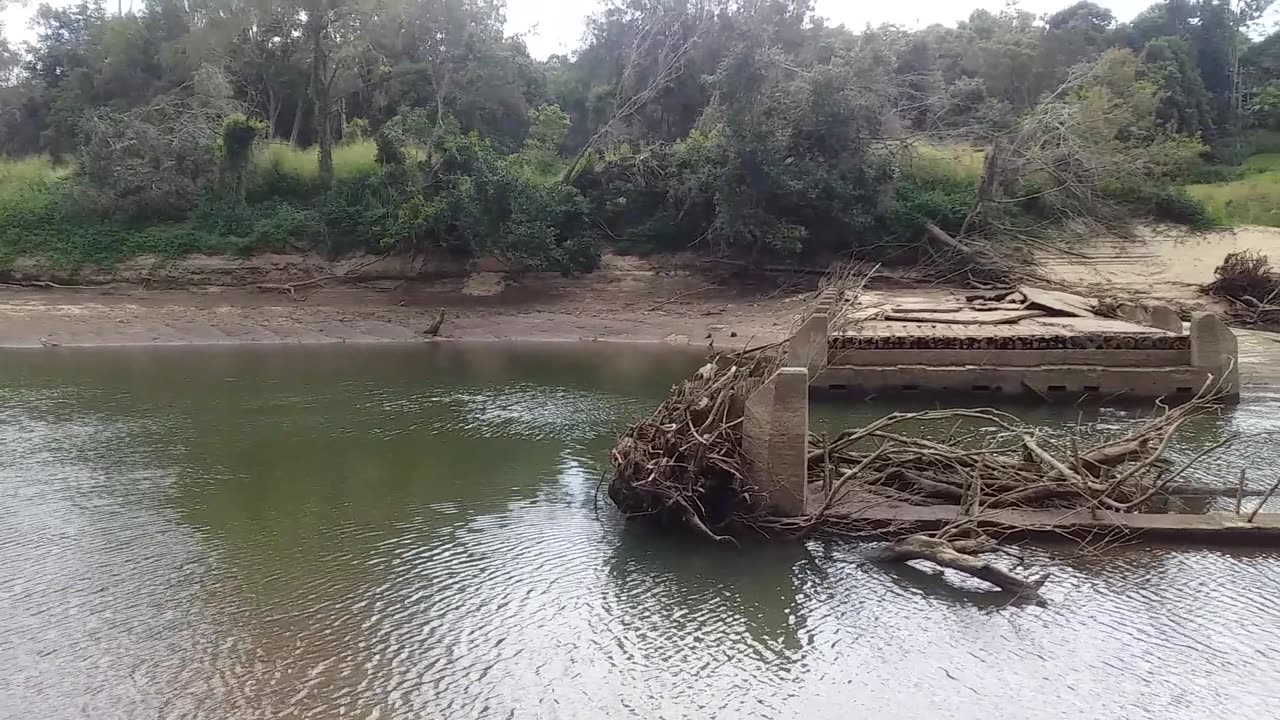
(1055, 358)
(1214, 350)
(808, 347)
(775, 435)
(1050, 382)
(1013, 358)
(1165, 318)
(1213, 527)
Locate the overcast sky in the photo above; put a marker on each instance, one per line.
(555, 26)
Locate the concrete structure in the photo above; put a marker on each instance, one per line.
(948, 349)
(1217, 527)
(775, 436)
(808, 347)
(775, 440)
(1214, 349)
(1164, 317)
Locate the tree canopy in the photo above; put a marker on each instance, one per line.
(742, 125)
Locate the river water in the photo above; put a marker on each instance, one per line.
(410, 532)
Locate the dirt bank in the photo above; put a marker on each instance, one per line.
(628, 299)
(1161, 262)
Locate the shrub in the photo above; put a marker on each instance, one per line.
(480, 202)
(938, 199)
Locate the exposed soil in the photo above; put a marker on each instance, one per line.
(1169, 264)
(628, 299)
(677, 301)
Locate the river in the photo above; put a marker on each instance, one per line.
(412, 532)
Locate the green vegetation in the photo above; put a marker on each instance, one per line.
(1253, 200)
(746, 129)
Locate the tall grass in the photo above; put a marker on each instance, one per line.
(1253, 200)
(945, 162)
(28, 172)
(359, 158)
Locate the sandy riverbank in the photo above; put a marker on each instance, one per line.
(627, 300)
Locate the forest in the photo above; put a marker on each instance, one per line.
(747, 129)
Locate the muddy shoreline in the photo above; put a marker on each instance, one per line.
(627, 300)
(672, 300)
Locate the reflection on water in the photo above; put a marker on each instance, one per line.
(412, 532)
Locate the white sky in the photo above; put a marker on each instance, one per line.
(555, 26)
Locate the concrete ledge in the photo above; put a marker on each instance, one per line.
(1214, 527)
(1014, 358)
(1051, 382)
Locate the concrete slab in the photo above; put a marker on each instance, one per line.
(1211, 527)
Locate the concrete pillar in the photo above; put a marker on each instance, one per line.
(1215, 350)
(1165, 318)
(775, 440)
(809, 347)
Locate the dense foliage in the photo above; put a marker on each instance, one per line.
(744, 127)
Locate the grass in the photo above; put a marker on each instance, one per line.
(18, 175)
(1263, 162)
(952, 162)
(358, 158)
(1253, 200)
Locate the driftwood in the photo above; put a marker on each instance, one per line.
(434, 327)
(292, 288)
(684, 466)
(45, 284)
(962, 556)
(1247, 281)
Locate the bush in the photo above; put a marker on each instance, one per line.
(481, 202)
(146, 165)
(1175, 204)
(919, 199)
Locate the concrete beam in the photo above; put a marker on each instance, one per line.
(775, 436)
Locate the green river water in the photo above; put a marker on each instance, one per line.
(410, 532)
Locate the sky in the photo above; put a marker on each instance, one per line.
(555, 26)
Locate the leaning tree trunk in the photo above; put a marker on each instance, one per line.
(297, 122)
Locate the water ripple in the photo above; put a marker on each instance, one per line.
(328, 544)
